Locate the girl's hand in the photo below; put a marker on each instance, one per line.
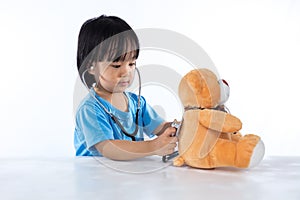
(165, 143)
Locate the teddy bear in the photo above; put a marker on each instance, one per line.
(209, 136)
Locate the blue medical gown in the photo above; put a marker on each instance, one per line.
(94, 125)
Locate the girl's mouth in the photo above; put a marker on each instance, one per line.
(124, 83)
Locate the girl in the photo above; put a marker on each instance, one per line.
(109, 121)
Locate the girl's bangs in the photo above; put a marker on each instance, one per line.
(120, 47)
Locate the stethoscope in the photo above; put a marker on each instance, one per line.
(114, 118)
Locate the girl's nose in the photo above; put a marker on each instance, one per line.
(126, 69)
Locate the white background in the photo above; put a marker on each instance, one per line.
(254, 44)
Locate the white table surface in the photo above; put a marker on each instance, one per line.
(147, 178)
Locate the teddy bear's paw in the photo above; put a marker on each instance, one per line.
(178, 162)
(258, 154)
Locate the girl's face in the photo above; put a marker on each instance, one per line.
(115, 77)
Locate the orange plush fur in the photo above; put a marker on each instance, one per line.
(197, 146)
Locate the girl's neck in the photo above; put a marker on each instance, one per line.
(117, 99)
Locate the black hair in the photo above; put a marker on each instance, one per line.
(105, 38)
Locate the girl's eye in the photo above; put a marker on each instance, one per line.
(116, 66)
(132, 64)
(119, 65)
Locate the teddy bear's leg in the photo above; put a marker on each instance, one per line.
(245, 153)
(223, 154)
(178, 161)
(250, 151)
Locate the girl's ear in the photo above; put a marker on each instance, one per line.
(91, 70)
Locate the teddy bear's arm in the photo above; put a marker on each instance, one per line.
(220, 121)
